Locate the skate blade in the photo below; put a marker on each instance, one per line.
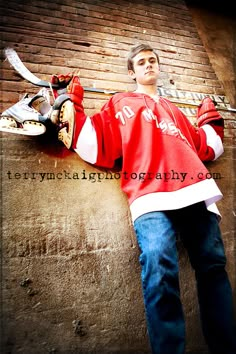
(67, 116)
(7, 122)
(36, 128)
(29, 128)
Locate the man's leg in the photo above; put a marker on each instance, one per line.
(206, 251)
(159, 262)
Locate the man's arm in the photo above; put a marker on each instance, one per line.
(209, 120)
(95, 139)
(207, 137)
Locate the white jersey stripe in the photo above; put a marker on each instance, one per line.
(213, 140)
(87, 146)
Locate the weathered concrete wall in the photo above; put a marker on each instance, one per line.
(70, 271)
(216, 25)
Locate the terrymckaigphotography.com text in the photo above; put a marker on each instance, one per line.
(93, 177)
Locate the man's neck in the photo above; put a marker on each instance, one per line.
(150, 90)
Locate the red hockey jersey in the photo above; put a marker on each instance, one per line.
(161, 151)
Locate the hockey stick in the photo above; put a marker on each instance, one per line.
(15, 61)
(18, 65)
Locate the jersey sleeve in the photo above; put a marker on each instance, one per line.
(98, 140)
(207, 142)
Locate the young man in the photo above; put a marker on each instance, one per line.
(168, 191)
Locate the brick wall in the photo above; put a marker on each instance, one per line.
(70, 259)
(94, 36)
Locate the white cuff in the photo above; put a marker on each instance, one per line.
(213, 140)
(86, 146)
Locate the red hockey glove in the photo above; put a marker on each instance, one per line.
(76, 92)
(70, 85)
(62, 81)
(67, 107)
(207, 114)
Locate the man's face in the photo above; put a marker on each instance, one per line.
(146, 68)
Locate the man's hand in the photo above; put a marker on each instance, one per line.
(69, 84)
(62, 81)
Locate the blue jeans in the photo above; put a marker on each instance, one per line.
(199, 231)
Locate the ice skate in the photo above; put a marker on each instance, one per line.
(63, 116)
(29, 116)
(67, 98)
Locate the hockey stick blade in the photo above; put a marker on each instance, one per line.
(18, 65)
